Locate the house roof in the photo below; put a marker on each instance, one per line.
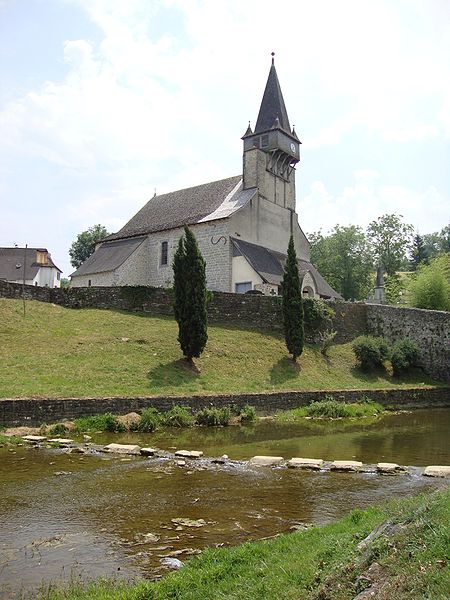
(269, 266)
(214, 200)
(272, 105)
(109, 256)
(12, 261)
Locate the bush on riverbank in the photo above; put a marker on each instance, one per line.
(407, 560)
(332, 409)
(105, 422)
(151, 419)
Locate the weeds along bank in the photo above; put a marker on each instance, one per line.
(429, 329)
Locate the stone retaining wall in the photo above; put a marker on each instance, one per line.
(430, 329)
(32, 411)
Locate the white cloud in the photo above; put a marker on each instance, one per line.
(162, 94)
(366, 199)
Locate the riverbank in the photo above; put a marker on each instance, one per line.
(397, 550)
(35, 411)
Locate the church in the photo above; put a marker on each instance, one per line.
(242, 223)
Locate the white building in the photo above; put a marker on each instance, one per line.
(39, 268)
(242, 223)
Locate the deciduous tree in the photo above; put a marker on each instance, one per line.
(84, 245)
(390, 239)
(344, 258)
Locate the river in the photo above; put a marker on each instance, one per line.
(75, 517)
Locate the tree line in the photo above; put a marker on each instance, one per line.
(348, 256)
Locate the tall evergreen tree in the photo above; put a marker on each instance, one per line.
(419, 253)
(292, 304)
(190, 296)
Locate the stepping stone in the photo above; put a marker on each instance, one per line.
(148, 451)
(123, 448)
(34, 439)
(389, 467)
(346, 465)
(265, 461)
(189, 453)
(437, 471)
(63, 441)
(306, 463)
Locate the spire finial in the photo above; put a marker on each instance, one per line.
(273, 57)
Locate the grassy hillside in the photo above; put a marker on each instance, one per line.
(59, 352)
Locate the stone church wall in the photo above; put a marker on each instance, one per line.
(430, 329)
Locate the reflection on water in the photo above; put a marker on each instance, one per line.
(65, 516)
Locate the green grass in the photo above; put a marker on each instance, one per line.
(105, 422)
(331, 409)
(13, 440)
(59, 352)
(316, 564)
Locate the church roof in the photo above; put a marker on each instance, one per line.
(269, 266)
(109, 256)
(272, 105)
(214, 200)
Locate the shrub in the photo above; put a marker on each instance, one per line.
(405, 354)
(327, 408)
(177, 416)
(105, 422)
(213, 417)
(58, 429)
(431, 287)
(248, 414)
(326, 341)
(317, 316)
(150, 419)
(370, 352)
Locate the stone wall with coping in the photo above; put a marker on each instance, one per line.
(34, 412)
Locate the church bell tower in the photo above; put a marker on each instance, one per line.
(272, 150)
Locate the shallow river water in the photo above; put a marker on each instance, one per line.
(68, 516)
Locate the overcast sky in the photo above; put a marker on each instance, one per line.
(104, 101)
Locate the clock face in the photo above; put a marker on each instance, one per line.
(293, 147)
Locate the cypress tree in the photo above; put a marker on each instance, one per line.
(190, 296)
(292, 304)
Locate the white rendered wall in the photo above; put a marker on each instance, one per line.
(242, 272)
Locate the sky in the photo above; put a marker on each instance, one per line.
(104, 102)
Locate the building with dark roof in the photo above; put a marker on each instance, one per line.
(242, 223)
(35, 263)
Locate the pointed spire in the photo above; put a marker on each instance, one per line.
(248, 132)
(294, 134)
(272, 105)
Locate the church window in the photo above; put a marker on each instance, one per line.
(164, 253)
(264, 141)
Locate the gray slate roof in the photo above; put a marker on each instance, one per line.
(109, 256)
(184, 207)
(12, 261)
(272, 105)
(269, 266)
